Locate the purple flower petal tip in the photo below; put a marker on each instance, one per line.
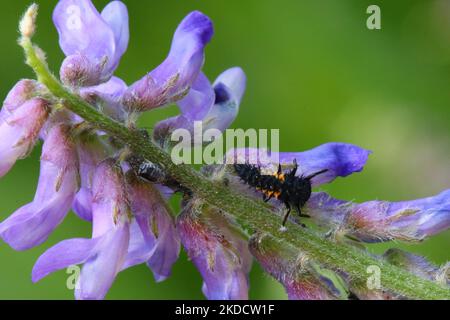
(230, 85)
(171, 81)
(158, 243)
(340, 159)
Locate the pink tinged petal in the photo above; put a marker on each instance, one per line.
(64, 254)
(301, 279)
(156, 226)
(377, 221)
(78, 70)
(19, 131)
(58, 183)
(23, 91)
(115, 15)
(172, 80)
(220, 254)
(110, 199)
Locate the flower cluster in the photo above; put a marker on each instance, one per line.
(89, 172)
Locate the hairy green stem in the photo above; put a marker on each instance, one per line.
(253, 216)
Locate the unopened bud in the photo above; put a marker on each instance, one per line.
(27, 25)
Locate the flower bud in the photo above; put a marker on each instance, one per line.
(78, 71)
(23, 91)
(27, 25)
(302, 279)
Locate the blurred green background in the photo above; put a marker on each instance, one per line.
(314, 71)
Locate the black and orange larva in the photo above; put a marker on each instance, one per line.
(293, 191)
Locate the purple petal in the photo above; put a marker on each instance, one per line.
(84, 32)
(139, 250)
(100, 270)
(82, 205)
(64, 254)
(156, 225)
(377, 221)
(107, 97)
(110, 213)
(219, 253)
(19, 131)
(91, 152)
(339, 159)
(229, 90)
(115, 15)
(32, 224)
(194, 107)
(172, 80)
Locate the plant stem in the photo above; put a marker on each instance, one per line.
(252, 216)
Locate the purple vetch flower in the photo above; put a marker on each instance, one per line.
(102, 256)
(58, 182)
(216, 106)
(19, 130)
(377, 221)
(154, 239)
(172, 80)
(300, 278)
(92, 42)
(220, 253)
(91, 152)
(340, 159)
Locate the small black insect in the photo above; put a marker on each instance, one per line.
(151, 172)
(147, 170)
(293, 191)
